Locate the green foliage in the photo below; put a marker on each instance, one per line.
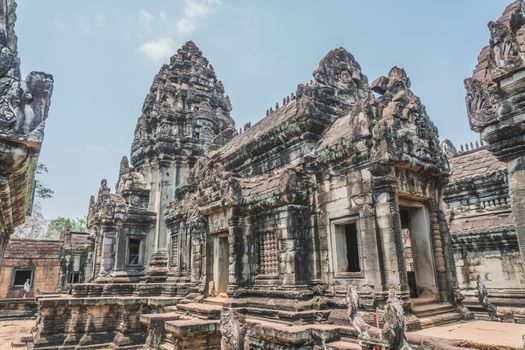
(42, 191)
(57, 225)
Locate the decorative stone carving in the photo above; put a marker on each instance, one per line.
(24, 106)
(185, 98)
(483, 298)
(393, 331)
(233, 329)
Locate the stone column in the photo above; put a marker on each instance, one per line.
(236, 248)
(516, 169)
(388, 234)
(442, 250)
(108, 256)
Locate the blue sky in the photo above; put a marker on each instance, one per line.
(104, 54)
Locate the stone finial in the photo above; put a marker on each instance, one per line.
(276, 105)
(338, 70)
(124, 165)
(448, 148)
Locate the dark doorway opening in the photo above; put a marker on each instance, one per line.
(408, 252)
(352, 251)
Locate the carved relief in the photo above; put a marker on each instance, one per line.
(233, 329)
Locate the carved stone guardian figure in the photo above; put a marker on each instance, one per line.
(233, 329)
(483, 298)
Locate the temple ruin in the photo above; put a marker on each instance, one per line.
(24, 105)
(337, 221)
(336, 186)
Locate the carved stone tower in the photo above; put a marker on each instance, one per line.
(495, 110)
(184, 110)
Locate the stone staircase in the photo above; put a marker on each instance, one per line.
(193, 325)
(430, 312)
(187, 324)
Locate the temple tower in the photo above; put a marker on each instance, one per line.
(184, 110)
(495, 110)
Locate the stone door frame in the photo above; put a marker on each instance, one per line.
(424, 261)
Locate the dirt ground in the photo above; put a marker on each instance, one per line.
(12, 331)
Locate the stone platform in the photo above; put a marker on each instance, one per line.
(484, 335)
(17, 308)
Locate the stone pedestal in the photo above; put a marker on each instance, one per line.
(157, 271)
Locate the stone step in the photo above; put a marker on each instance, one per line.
(288, 316)
(152, 319)
(432, 309)
(216, 301)
(440, 319)
(193, 327)
(164, 301)
(207, 311)
(424, 300)
(343, 345)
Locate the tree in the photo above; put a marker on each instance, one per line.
(42, 191)
(57, 225)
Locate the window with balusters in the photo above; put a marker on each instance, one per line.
(268, 253)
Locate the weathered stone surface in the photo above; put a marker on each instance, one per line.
(494, 94)
(482, 227)
(335, 187)
(24, 106)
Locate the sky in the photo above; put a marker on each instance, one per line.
(104, 54)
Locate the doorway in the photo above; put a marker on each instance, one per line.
(221, 257)
(417, 250)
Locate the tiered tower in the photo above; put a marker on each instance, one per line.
(183, 111)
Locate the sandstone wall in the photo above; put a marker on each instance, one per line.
(45, 276)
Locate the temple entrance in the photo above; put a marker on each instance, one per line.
(221, 257)
(417, 249)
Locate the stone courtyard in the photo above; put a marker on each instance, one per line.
(340, 220)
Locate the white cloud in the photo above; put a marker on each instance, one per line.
(157, 50)
(88, 25)
(94, 149)
(159, 34)
(195, 11)
(145, 21)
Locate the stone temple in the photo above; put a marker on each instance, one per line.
(328, 190)
(338, 221)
